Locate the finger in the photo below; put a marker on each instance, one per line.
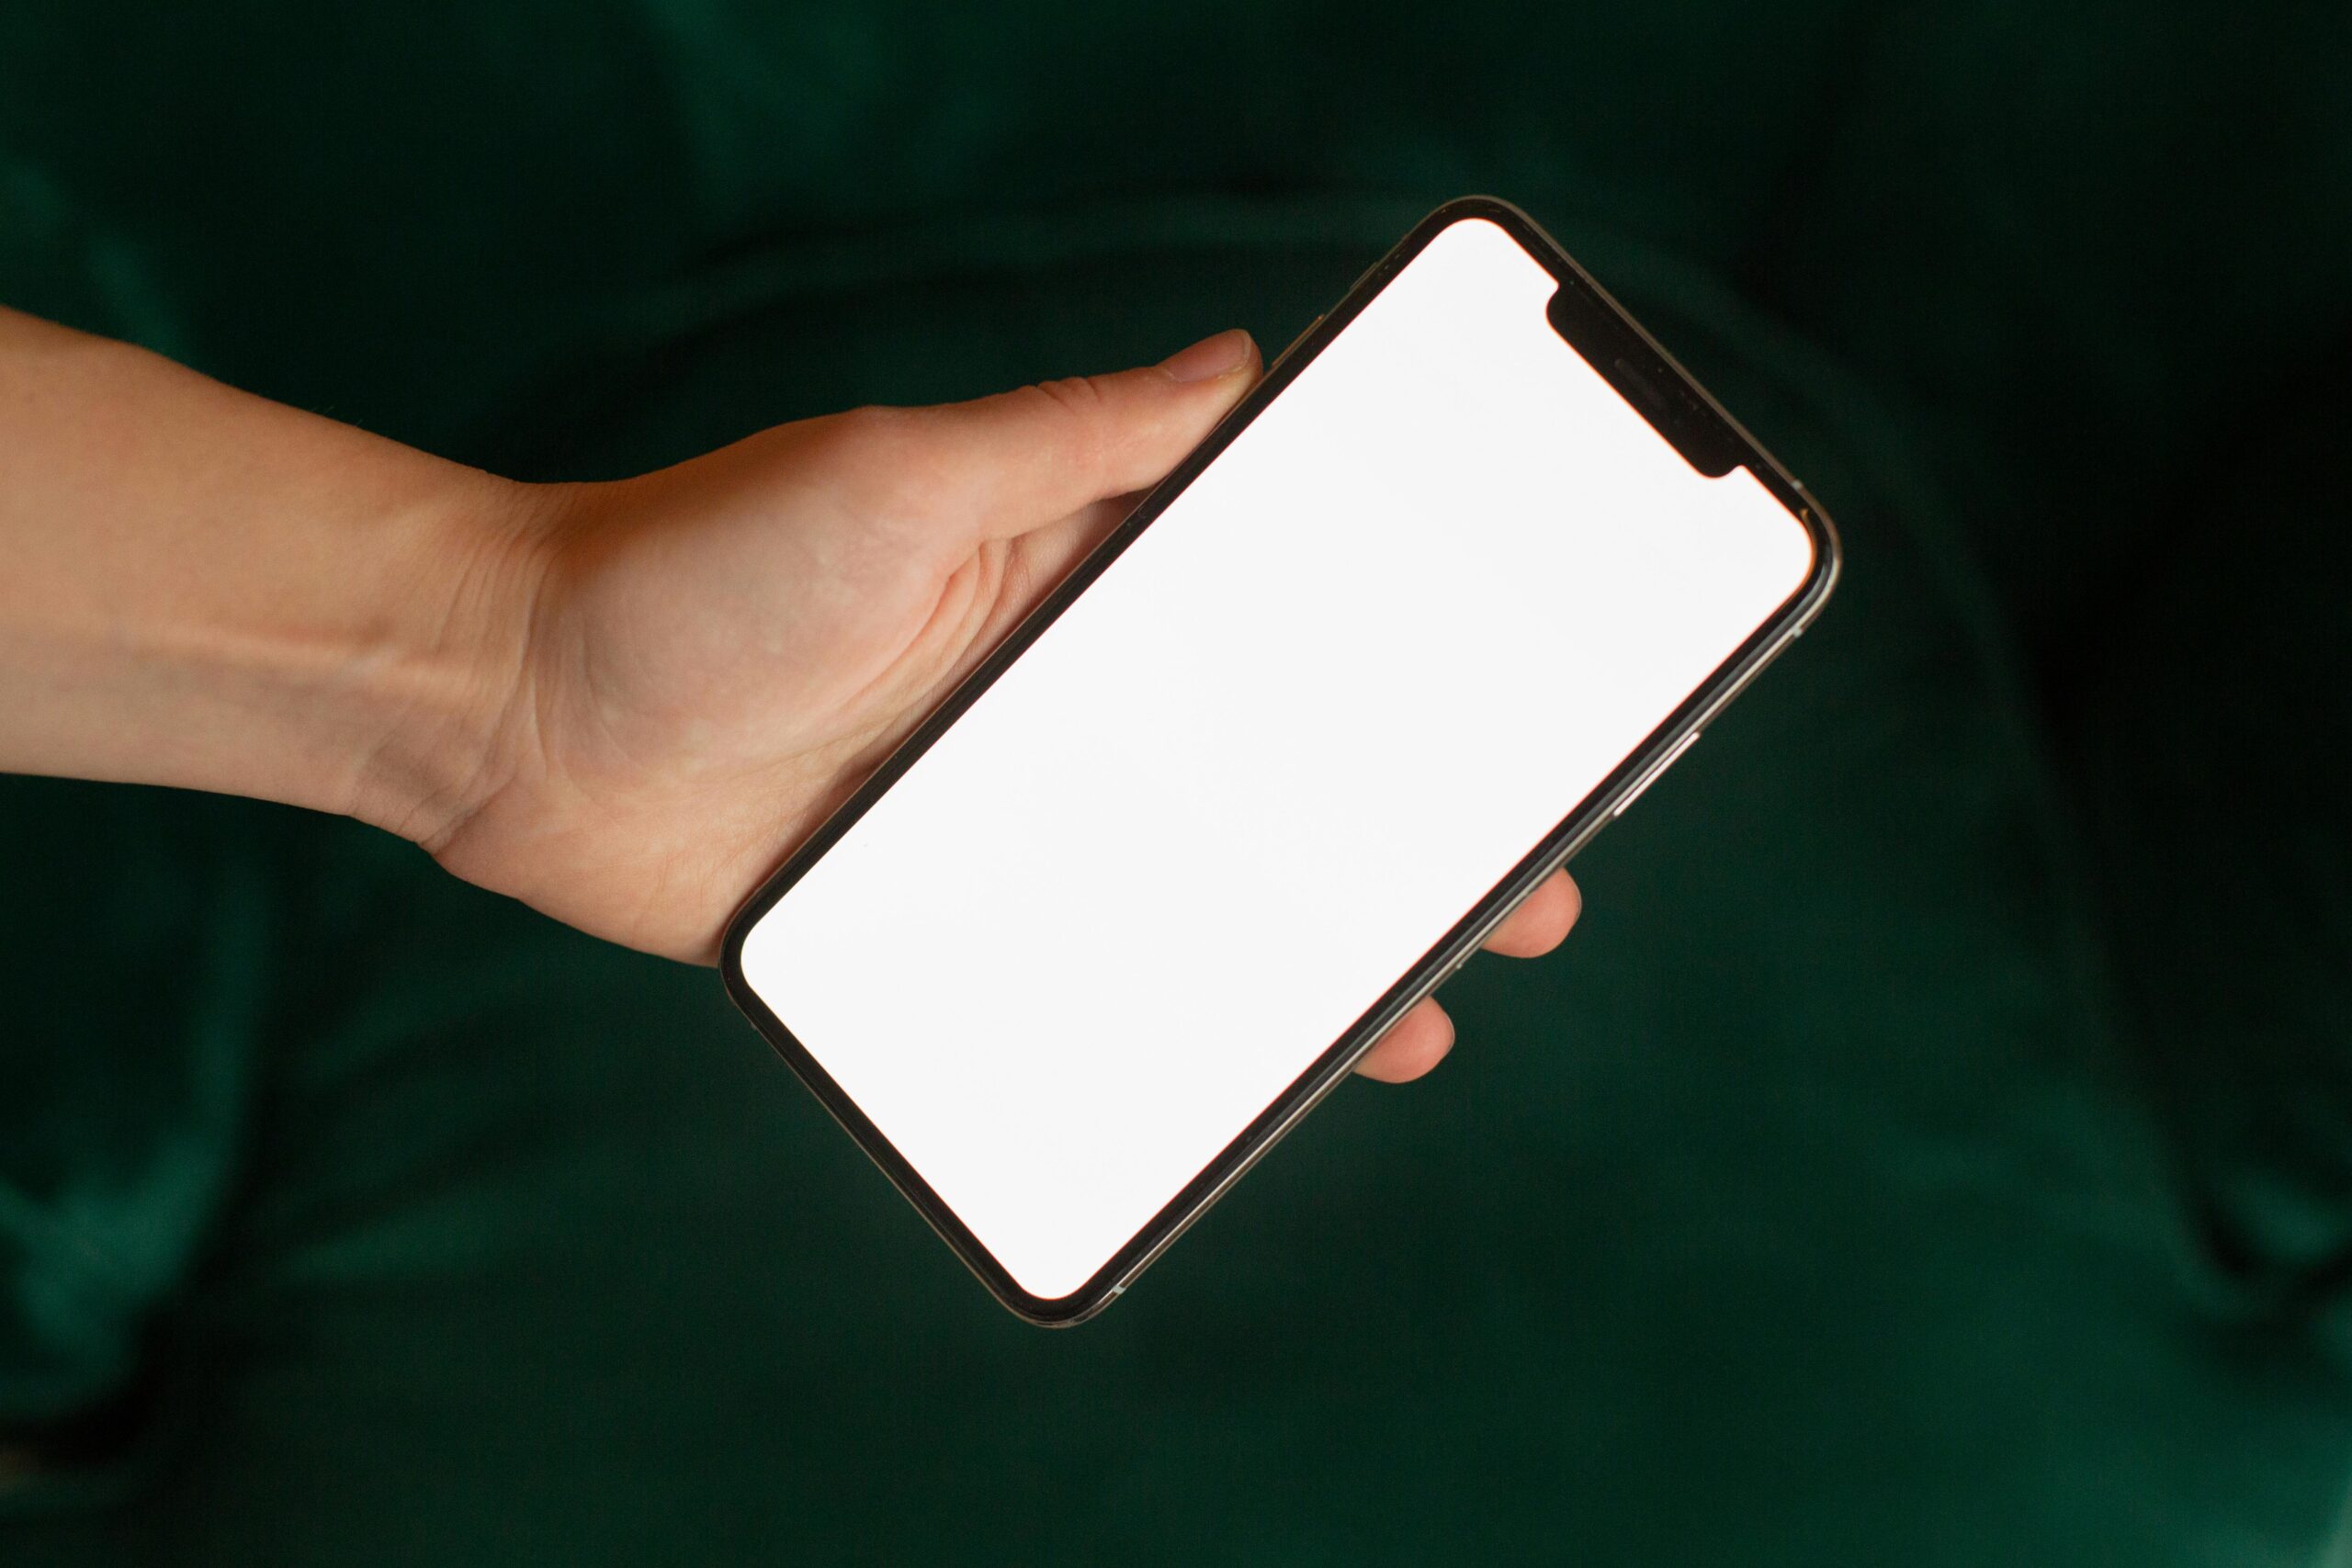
(1415, 1043)
(1541, 922)
(1000, 466)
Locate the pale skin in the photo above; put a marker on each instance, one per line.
(622, 704)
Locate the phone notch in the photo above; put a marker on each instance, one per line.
(1623, 356)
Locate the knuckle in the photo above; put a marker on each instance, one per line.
(871, 432)
(1082, 395)
(1079, 406)
(882, 454)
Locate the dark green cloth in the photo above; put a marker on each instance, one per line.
(1932, 1147)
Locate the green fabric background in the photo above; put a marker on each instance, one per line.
(1935, 1146)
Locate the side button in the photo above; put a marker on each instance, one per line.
(1651, 777)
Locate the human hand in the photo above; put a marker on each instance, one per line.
(623, 704)
(713, 657)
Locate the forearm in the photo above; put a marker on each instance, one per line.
(207, 589)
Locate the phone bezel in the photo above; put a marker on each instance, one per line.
(1573, 831)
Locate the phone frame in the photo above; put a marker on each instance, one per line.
(1684, 414)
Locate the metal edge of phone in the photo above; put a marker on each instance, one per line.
(1577, 829)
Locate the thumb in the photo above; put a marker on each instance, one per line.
(1010, 463)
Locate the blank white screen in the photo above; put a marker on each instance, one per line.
(1393, 635)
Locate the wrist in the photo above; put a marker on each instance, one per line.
(445, 678)
(209, 591)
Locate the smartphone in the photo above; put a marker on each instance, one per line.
(1447, 590)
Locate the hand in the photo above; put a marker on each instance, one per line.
(623, 704)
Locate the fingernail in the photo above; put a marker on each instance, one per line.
(1210, 357)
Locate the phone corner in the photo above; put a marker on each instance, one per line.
(731, 940)
(1081, 1305)
(1829, 553)
(1477, 206)
(1474, 204)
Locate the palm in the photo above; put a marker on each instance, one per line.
(720, 651)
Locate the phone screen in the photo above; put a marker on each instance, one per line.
(1386, 642)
